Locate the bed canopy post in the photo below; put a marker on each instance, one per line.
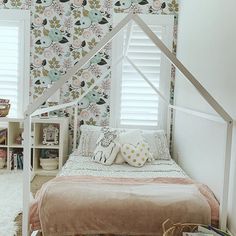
(75, 126)
(225, 190)
(26, 174)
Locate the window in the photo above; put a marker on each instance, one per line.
(14, 59)
(134, 102)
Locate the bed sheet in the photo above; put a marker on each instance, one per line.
(81, 165)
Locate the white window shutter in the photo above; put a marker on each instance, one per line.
(15, 59)
(139, 102)
(134, 103)
(9, 65)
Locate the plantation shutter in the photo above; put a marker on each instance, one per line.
(9, 64)
(139, 102)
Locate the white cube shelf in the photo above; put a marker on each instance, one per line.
(14, 127)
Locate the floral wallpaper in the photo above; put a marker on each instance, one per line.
(62, 32)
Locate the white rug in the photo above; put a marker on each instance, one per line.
(11, 201)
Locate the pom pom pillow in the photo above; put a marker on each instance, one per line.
(107, 147)
(88, 138)
(136, 155)
(130, 137)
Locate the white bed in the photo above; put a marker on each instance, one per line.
(80, 165)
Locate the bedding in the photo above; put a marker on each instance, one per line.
(89, 198)
(81, 165)
(69, 205)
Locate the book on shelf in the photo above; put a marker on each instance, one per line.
(15, 160)
(3, 136)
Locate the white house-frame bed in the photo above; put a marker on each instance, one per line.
(32, 110)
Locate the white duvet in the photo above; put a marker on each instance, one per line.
(80, 165)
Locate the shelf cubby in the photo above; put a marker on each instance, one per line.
(15, 128)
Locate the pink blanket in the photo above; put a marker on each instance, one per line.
(97, 205)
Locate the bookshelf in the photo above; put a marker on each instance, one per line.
(13, 144)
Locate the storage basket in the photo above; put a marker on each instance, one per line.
(4, 109)
(171, 229)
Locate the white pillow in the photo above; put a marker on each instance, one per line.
(136, 155)
(156, 140)
(158, 144)
(107, 147)
(130, 137)
(88, 138)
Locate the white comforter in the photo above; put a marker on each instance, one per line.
(80, 165)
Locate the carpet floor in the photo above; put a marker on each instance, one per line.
(36, 184)
(10, 200)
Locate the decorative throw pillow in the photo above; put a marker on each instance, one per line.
(136, 155)
(88, 138)
(130, 137)
(158, 144)
(107, 147)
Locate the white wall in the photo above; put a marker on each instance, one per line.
(207, 46)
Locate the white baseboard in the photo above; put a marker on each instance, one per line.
(229, 232)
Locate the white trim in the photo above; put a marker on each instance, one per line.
(21, 18)
(198, 113)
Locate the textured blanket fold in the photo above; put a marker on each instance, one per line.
(98, 205)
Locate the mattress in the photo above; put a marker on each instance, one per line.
(80, 165)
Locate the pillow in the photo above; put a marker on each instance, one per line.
(130, 137)
(88, 138)
(158, 144)
(136, 155)
(156, 140)
(107, 147)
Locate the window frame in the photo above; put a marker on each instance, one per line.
(167, 21)
(21, 18)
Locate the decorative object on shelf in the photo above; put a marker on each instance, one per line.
(50, 135)
(4, 107)
(49, 153)
(49, 163)
(3, 137)
(3, 157)
(49, 159)
(19, 138)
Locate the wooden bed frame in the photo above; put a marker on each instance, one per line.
(33, 110)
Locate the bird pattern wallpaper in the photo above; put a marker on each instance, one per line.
(62, 32)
